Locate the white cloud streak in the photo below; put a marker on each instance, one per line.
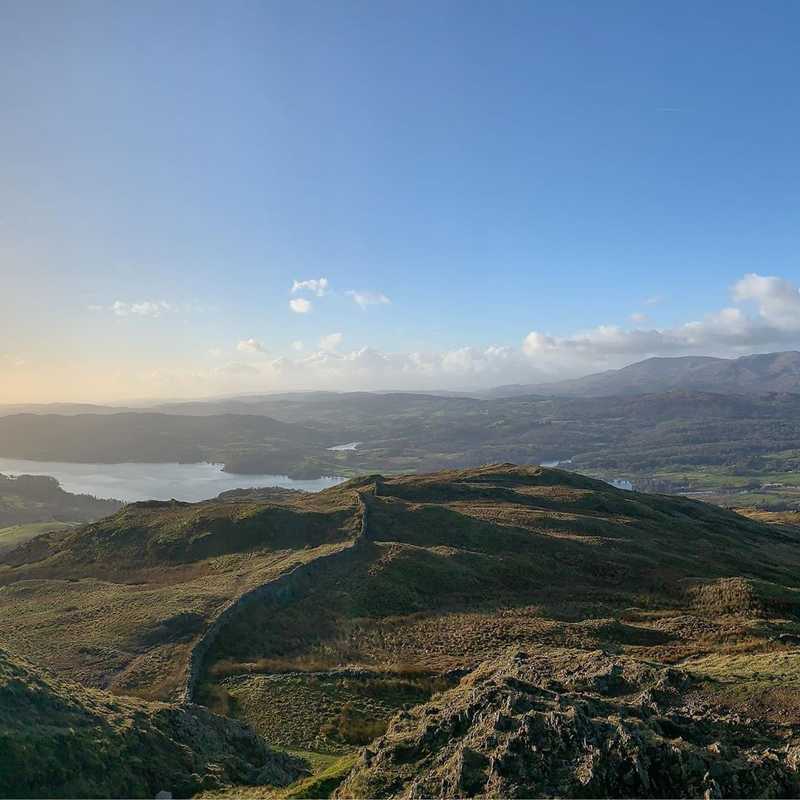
(317, 286)
(147, 308)
(365, 298)
(143, 308)
(251, 346)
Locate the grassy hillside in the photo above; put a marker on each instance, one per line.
(498, 551)
(37, 498)
(58, 739)
(119, 603)
(13, 536)
(444, 571)
(464, 565)
(244, 443)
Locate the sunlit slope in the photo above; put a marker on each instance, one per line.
(459, 565)
(452, 566)
(120, 603)
(491, 540)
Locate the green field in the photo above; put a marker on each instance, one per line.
(15, 535)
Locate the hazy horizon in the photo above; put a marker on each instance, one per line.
(145, 402)
(214, 200)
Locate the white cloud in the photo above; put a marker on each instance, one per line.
(251, 346)
(369, 368)
(729, 331)
(638, 317)
(654, 300)
(298, 346)
(317, 286)
(215, 352)
(364, 298)
(475, 360)
(763, 315)
(148, 308)
(144, 308)
(364, 368)
(331, 341)
(300, 305)
(237, 369)
(777, 299)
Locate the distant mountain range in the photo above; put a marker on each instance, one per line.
(758, 374)
(747, 375)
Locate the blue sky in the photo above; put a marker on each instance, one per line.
(493, 170)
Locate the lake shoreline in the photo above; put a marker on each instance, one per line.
(131, 482)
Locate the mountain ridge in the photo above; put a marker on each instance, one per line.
(752, 374)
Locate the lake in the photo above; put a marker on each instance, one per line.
(618, 483)
(130, 482)
(622, 483)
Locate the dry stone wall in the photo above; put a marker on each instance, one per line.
(280, 590)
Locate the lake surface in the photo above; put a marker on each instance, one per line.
(618, 483)
(131, 482)
(622, 483)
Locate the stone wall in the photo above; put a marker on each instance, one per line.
(279, 590)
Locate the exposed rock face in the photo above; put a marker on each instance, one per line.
(576, 725)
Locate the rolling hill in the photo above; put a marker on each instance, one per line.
(120, 603)
(685, 435)
(322, 620)
(34, 504)
(38, 498)
(236, 440)
(695, 424)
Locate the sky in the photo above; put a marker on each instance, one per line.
(203, 198)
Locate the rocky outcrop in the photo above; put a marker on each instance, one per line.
(572, 725)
